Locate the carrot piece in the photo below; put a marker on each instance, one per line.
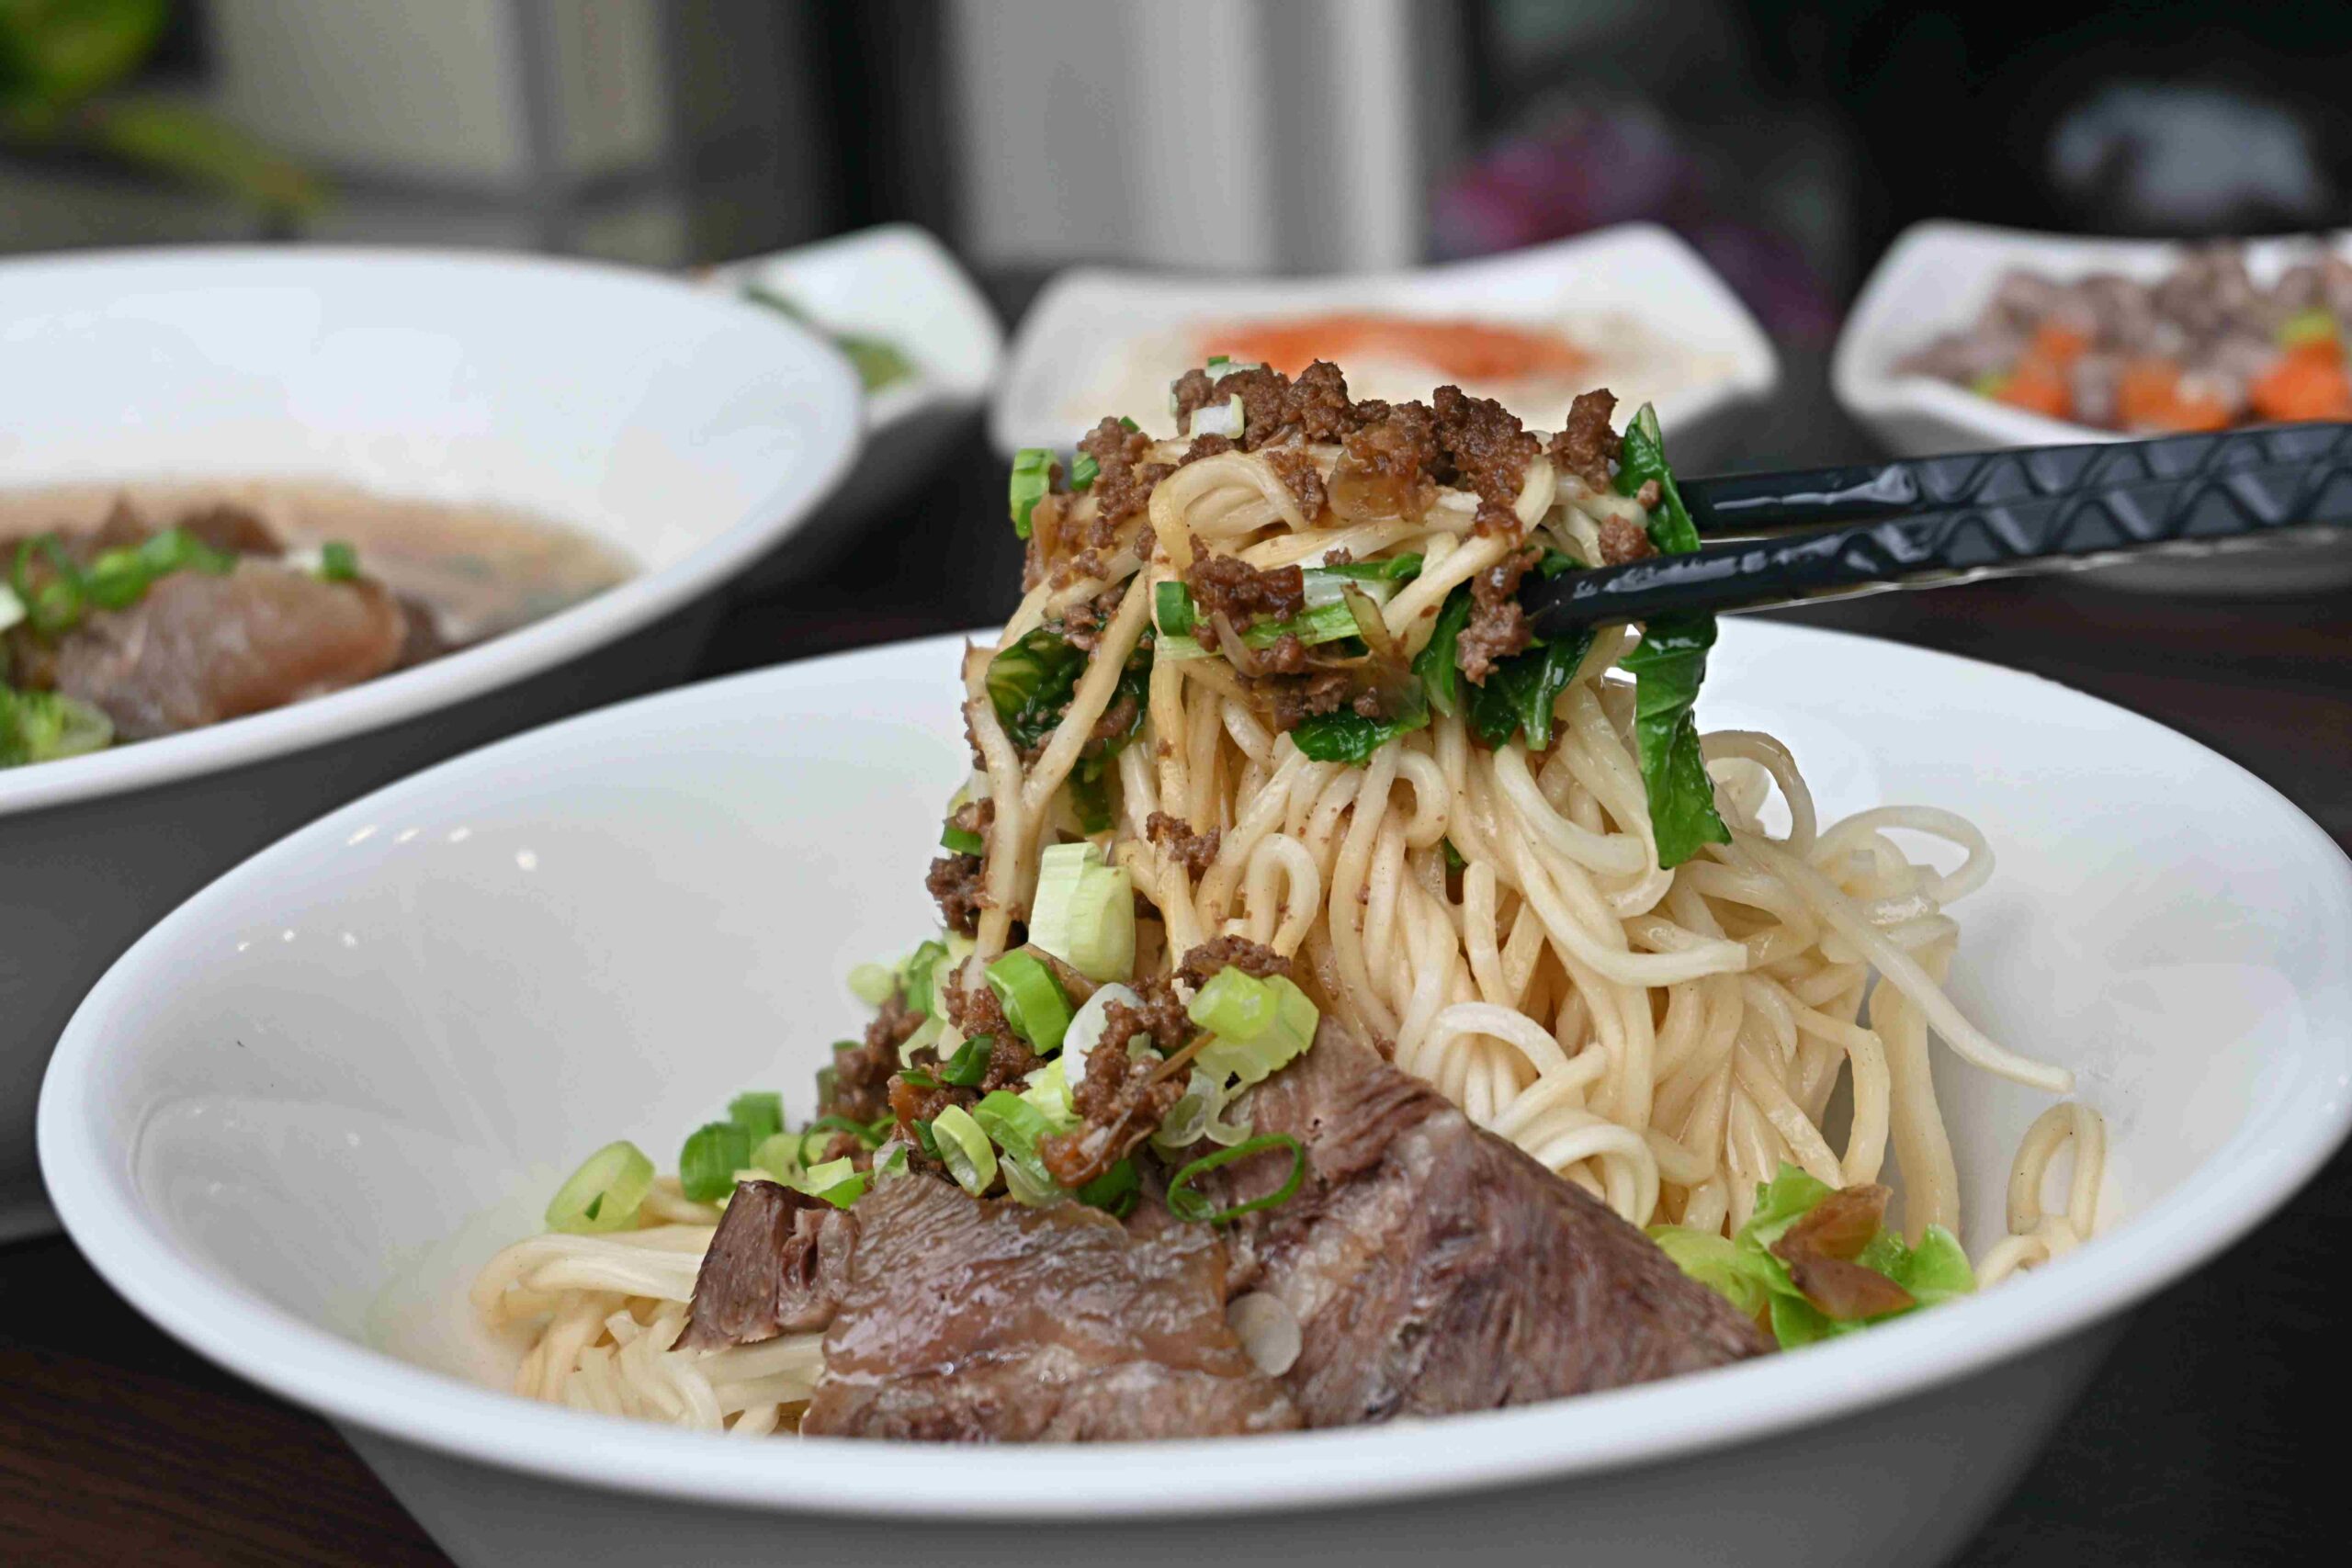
(2308, 382)
(2057, 344)
(2149, 396)
(2036, 386)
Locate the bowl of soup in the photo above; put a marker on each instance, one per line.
(277, 526)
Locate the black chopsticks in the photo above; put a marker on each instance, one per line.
(1929, 522)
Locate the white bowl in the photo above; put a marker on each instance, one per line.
(1066, 360)
(897, 283)
(690, 434)
(294, 1118)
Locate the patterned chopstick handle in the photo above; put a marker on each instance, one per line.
(2053, 508)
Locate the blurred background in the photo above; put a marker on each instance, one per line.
(1788, 144)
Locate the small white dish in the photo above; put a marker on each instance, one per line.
(1935, 278)
(296, 1117)
(899, 284)
(690, 434)
(1665, 328)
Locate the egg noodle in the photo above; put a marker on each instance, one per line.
(1496, 920)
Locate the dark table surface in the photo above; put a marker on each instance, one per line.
(2207, 1439)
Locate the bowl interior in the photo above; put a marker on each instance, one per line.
(632, 407)
(324, 1090)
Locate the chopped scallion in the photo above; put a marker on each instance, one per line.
(970, 1065)
(962, 840)
(1259, 1025)
(338, 562)
(714, 1152)
(759, 1113)
(1115, 1190)
(1084, 911)
(605, 1193)
(964, 1149)
(1083, 471)
(872, 983)
(1033, 479)
(1032, 1000)
(1189, 1206)
(1172, 608)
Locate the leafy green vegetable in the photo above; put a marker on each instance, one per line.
(1520, 692)
(1746, 1271)
(1668, 668)
(1030, 684)
(1434, 664)
(1346, 736)
(1393, 569)
(1115, 1190)
(43, 727)
(1089, 796)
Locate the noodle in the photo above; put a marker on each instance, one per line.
(1497, 920)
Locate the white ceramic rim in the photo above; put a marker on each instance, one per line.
(92, 1188)
(1753, 378)
(602, 619)
(1877, 329)
(959, 384)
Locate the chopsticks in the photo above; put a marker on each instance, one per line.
(1934, 521)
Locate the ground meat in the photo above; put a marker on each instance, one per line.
(976, 1011)
(1117, 720)
(1277, 409)
(1295, 466)
(1206, 447)
(1296, 699)
(1384, 467)
(1122, 487)
(1082, 623)
(1622, 540)
(862, 1072)
(1497, 626)
(1586, 445)
(1231, 952)
(1487, 450)
(1119, 1101)
(1283, 656)
(1232, 587)
(1194, 851)
(1159, 1014)
(959, 883)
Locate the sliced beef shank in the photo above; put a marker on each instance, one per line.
(197, 648)
(976, 1320)
(1434, 1269)
(775, 1266)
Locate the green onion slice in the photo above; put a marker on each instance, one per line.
(714, 1152)
(779, 1155)
(760, 1114)
(962, 840)
(338, 562)
(871, 984)
(1031, 999)
(858, 1130)
(1033, 479)
(1083, 471)
(1193, 1209)
(1084, 911)
(964, 1149)
(1172, 608)
(1259, 1025)
(605, 1193)
(970, 1065)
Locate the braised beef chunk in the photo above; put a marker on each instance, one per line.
(776, 1265)
(976, 1320)
(1434, 1269)
(197, 648)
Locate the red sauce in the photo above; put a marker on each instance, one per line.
(1461, 349)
